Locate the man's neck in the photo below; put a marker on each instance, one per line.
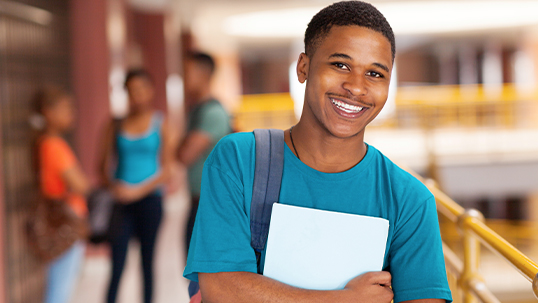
(325, 152)
(204, 96)
(200, 99)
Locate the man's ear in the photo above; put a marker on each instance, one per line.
(302, 67)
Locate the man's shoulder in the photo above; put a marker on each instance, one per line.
(240, 139)
(235, 145)
(399, 179)
(213, 106)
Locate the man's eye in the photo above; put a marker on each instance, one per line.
(340, 65)
(375, 74)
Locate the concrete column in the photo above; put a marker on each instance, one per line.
(468, 72)
(526, 70)
(226, 85)
(3, 298)
(448, 69)
(149, 33)
(117, 44)
(492, 66)
(531, 47)
(90, 73)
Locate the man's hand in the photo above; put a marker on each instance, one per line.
(370, 287)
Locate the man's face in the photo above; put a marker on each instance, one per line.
(197, 79)
(348, 79)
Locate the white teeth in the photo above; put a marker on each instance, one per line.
(348, 108)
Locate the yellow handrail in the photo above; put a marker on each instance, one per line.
(496, 243)
(471, 224)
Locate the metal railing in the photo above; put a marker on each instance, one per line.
(465, 106)
(475, 232)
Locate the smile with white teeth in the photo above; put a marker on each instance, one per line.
(348, 108)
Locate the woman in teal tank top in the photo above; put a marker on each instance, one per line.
(140, 148)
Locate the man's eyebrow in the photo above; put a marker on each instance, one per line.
(340, 55)
(382, 66)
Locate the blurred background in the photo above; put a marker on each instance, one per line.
(463, 107)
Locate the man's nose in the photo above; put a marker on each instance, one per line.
(355, 84)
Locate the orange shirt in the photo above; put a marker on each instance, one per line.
(55, 158)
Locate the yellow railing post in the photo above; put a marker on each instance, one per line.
(471, 255)
(535, 286)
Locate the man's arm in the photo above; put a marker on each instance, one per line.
(250, 287)
(193, 146)
(426, 301)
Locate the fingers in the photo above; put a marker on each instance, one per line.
(380, 277)
(371, 287)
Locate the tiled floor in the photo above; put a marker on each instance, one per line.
(169, 287)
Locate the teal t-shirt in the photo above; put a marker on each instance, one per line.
(211, 118)
(374, 187)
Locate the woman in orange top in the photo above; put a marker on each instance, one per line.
(60, 177)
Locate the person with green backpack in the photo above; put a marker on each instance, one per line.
(325, 165)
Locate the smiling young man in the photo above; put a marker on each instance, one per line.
(347, 64)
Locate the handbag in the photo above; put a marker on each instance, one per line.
(53, 227)
(105, 216)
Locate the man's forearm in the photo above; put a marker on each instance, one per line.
(246, 287)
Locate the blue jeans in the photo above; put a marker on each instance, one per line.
(62, 274)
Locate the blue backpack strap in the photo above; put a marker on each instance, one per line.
(266, 189)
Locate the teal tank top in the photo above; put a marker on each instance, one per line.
(139, 156)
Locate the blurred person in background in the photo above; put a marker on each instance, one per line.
(208, 122)
(61, 178)
(138, 149)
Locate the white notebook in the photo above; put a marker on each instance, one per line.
(323, 250)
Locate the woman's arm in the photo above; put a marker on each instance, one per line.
(76, 180)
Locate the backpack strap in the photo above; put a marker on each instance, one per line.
(266, 189)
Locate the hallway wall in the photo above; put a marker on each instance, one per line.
(34, 52)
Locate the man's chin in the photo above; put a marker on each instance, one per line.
(345, 133)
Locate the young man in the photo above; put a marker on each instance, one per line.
(208, 122)
(347, 64)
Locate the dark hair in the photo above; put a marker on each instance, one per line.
(204, 60)
(343, 14)
(47, 97)
(137, 73)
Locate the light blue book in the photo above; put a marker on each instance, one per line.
(322, 250)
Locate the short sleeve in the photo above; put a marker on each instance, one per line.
(416, 258)
(221, 236)
(57, 155)
(213, 120)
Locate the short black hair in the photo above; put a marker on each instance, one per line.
(343, 14)
(137, 73)
(204, 60)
